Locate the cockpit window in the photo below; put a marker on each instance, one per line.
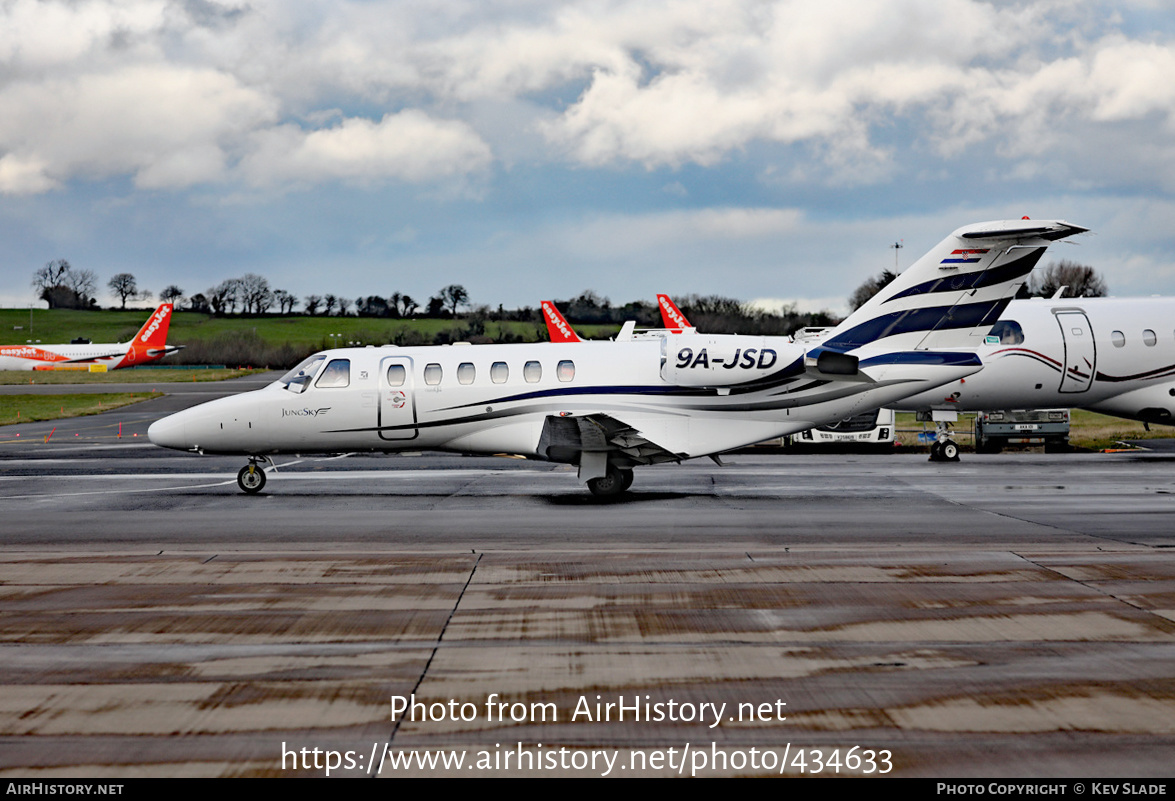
(337, 374)
(300, 377)
(1009, 332)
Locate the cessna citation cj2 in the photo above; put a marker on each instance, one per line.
(608, 407)
(148, 345)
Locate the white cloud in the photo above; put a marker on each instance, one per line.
(23, 176)
(165, 126)
(409, 146)
(175, 93)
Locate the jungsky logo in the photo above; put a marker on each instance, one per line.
(305, 412)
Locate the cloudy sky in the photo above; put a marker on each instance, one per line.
(533, 149)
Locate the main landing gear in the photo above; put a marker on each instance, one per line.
(614, 482)
(251, 479)
(945, 451)
(944, 448)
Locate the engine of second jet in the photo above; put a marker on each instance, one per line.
(721, 360)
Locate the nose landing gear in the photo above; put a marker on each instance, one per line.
(251, 479)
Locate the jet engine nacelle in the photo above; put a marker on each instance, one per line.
(717, 360)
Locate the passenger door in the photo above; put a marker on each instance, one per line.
(1080, 359)
(397, 400)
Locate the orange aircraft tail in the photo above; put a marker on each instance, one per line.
(151, 341)
(671, 316)
(558, 329)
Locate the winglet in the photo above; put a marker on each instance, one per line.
(558, 329)
(671, 316)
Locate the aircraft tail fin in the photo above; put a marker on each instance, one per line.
(151, 341)
(558, 329)
(960, 287)
(671, 316)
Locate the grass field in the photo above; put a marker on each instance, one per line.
(130, 376)
(32, 408)
(56, 326)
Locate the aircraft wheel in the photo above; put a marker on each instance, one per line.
(936, 451)
(251, 478)
(611, 484)
(626, 476)
(949, 452)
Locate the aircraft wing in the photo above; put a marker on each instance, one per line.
(565, 439)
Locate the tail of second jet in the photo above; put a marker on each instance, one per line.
(950, 296)
(151, 341)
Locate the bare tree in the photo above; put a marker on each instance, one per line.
(234, 294)
(285, 301)
(869, 288)
(172, 294)
(328, 304)
(454, 295)
(51, 275)
(64, 287)
(402, 305)
(1082, 281)
(312, 303)
(126, 288)
(371, 306)
(344, 305)
(224, 296)
(256, 296)
(84, 284)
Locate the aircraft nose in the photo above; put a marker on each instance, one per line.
(169, 433)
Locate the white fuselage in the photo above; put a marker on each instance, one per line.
(497, 398)
(29, 357)
(1113, 355)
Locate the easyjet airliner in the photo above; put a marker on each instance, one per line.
(148, 345)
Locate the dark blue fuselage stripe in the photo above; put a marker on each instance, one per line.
(778, 378)
(925, 357)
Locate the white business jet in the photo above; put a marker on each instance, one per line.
(608, 407)
(1111, 355)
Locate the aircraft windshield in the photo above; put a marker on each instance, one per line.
(299, 378)
(1009, 332)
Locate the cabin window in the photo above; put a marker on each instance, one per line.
(466, 373)
(1118, 338)
(1009, 332)
(432, 374)
(1149, 338)
(566, 370)
(532, 372)
(499, 373)
(336, 375)
(396, 375)
(299, 378)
